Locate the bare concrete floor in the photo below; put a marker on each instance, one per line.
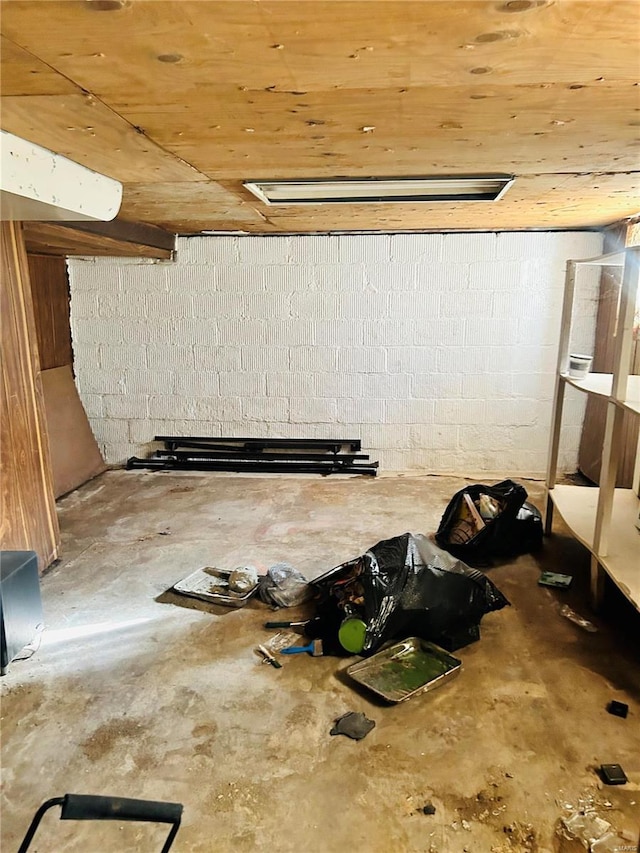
(136, 693)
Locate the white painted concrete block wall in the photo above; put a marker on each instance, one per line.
(438, 350)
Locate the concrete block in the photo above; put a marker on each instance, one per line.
(435, 332)
(414, 305)
(93, 405)
(149, 382)
(310, 249)
(409, 411)
(446, 278)
(203, 383)
(122, 304)
(274, 409)
(411, 359)
(434, 386)
(490, 331)
(315, 305)
(460, 412)
(265, 358)
(207, 250)
(190, 279)
(263, 250)
(289, 333)
(197, 331)
(388, 276)
(487, 386)
(485, 437)
(289, 279)
(264, 306)
(146, 279)
(125, 355)
(171, 406)
(109, 431)
(313, 359)
(85, 355)
(393, 460)
(511, 412)
(335, 278)
(117, 453)
(94, 331)
(364, 411)
(434, 436)
(423, 248)
(240, 279)
(220, 358)
(361, 359)
(385, 386)
(213, 306)
(469, 247)
(343, 384)
(382, 436)
(340, 333)
(521, 245)
(84, 303)
(242, 384)
(239, 332)
(389, 333)
(93, 380)
(310, 410)
(364, 248)
(172, 304)
(474, 304)
(167, 357)
(368, 305)
(217, 409)
(141, 331)
(291, 384)
(493, 275)
(129, 406)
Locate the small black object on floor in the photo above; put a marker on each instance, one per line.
(429, 809)
(355, 726)
(612, 774)
(618, 709)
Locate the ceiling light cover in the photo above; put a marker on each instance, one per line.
(438, 188)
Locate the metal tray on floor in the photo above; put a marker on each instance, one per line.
(406, 669)
(212, 584)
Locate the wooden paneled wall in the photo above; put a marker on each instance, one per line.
(28, 514)
(50, 296)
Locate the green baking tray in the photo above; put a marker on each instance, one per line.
(405, 669)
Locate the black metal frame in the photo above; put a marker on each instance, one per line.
(87, 807)
(239, 466)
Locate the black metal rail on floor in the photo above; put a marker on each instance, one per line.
(268, 455)
(252, 466)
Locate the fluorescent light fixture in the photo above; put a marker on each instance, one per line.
(438, 188)
(37, 184)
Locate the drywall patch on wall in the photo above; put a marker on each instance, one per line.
(438, 350)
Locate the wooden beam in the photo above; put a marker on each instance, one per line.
(117, 239)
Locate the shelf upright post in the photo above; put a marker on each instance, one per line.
(558, 397)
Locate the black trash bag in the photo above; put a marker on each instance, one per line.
(402, 587)
(516, 527)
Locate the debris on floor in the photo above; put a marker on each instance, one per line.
(406, 669)
(268, 657)
(555, 579)
(284, 586)
(219, 586)
(428, 809)
(314, 648)
(618, 709)
(403, 587)
(258, 455)
(482, 522)
(613, 774)
(353, 725)
(574, 617)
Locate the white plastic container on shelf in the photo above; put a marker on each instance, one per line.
(579, 365)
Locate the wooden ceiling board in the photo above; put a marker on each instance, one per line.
(24, 74)
(234, 90)
(82, 128)
(185, 201)
(522, 129)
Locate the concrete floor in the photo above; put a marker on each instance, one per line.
(137, 693)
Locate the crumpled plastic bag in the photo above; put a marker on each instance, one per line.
(284, 586)
(407, 586)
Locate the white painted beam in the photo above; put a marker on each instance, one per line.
(36, 184)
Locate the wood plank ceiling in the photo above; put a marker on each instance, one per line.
(184, 100)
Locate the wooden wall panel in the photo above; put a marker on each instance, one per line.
(28, 517)
(50, 294)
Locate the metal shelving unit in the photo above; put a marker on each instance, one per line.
(604, 519)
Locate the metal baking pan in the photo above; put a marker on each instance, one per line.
(212, 584)
(405, 669)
